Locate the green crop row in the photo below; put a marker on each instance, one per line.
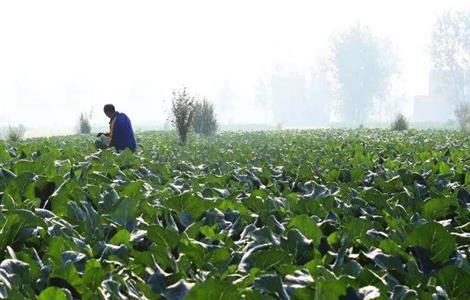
(322, 214)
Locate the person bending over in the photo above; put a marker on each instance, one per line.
(121, 135)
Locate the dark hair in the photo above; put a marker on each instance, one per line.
(109, 107)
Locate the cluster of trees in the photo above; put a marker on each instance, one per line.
(15, 133)
(289, 97)
(353, 82)
(450, 53)
(362, 67)
(189, 111)
(84, 123)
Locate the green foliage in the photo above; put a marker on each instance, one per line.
(182, 109)
(214, 289)
(434, 238)
(400, 123)
(54, 293)
(455, 281)
(362, 66)
(84, 123)
(329, 214)
(204, 120)
(450, 54)
(462, 114)
(15, 133)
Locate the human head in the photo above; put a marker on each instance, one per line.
(109, 110)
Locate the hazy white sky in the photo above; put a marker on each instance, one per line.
(59, 58)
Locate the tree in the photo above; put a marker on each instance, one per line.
(15, 134)
(450, 53)
(289, 97)
(462, 113)
(84, 124)
(400, 123)
(288, 91)
(319, 96)
(263, 100)
(226, 99)
(204, 120)
(362, 66)
(182, 109)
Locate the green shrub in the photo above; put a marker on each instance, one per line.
(84, 124)
(15, 134)
(204, 121)
(182, 110)
(462, 114)
(400, 123)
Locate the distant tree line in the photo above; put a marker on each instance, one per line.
(450, 54)
(362, 67)
(353, 82)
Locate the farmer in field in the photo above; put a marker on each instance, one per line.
(120, 135)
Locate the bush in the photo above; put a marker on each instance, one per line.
(400, 123)
(204, 121)
(462, 114)
(182, 110)
(84, 124)
(15, 134)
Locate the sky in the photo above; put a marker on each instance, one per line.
(61, 58)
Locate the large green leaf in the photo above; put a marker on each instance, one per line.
(438, 208)
(54, 293)
(94, 274)
(188, 203)
(15, 223)
(455, 281)
(307, 227)
(271, 284)
(121, 237)
(125, 212)
(3, 153)
(297, 245)
(264, 258)
(214, 289)
(435, 238)
(163, 236)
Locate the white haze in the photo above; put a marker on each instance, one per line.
(60, 58)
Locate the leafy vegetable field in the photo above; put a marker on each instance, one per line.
(324, 214)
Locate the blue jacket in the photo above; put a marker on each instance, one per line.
(122, 135)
